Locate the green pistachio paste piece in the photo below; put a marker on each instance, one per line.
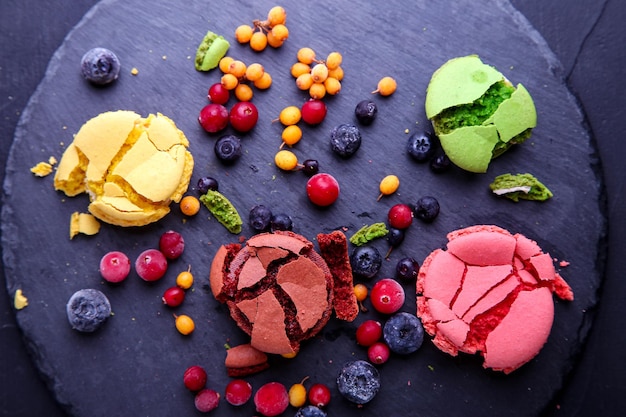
(368, 233)
(524, 186)
(212, 48)
(223, 210)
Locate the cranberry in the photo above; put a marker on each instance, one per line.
(387, 296)
(151, 265)
(213, 117)
(114, 266)
(369, 332)
(207, 400)
(271, 399)
(400, 216)
(172, 244)
(173, 296)
(314, 112)
(319, 395)
(378, 353)
(322, 189)
(195, 378)
(243, 116)
(238, 392)
(218, 94)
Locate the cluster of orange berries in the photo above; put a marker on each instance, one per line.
(318, 77)
(261, 33)
(238, 76)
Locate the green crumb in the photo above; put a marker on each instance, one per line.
(520, 186)
(223, 210)
(368, 233)
(210, 51)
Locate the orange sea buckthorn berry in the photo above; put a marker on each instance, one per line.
(276, 16)
(254, 72)
(386, 86)
(333, 60)
(291, 135)
(280, 32)
(264, 82)
(306, 55)
(185, 279)
(243, 92)
(189, 205)
(317, 91)
(237, 68)
(332, 85)
(229, 81)
(184, 324)
(243, 33)
(336, 73)
(298, 68)
(225, 63)
(258, 41)
(290, 115)
(319, 72)
(304, 81)
(286, 160)
(273, 41)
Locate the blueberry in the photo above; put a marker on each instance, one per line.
(358, 381)
(440, 163)
(260, 217)
(365, 112)
(88, 309)
(421, 146)
(403, 333)
(281, 222)
(207, 183)
(365, 261)
(345, 140)
(228, 148)
(407, 269)
(426, 209)
(100, 66)
(310, 411)
(310, 167)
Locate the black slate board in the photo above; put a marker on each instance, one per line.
(137, 359)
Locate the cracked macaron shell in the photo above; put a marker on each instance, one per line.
(462, 81)
(131, 167)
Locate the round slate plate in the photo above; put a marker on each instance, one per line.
(136, 361)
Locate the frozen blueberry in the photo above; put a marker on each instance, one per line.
(207, 183)
(281, 222)
(365, 261)
(260, 217)
(228, 148)
(403, 333)
(422, 146)
(88, 309)
(426, 209)
(358, 381)
(345, 140)
(100, 66)
(365, 112)
(310, 411)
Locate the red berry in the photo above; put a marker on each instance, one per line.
(238, 392)
(173, 296)
(172, 244)
(319, 395)
(213, 117)
(322, 189)
(369, 332)
(271, 399)
(243, 116)
(151, 265)
(400, 216)
(194, 378)
(114, 266)
(378, 353)
(313, 112)
(218, 94)
(207, 400)
(387, 296)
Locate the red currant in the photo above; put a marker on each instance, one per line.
(213, 117)
(238, 392)
(369, 332)
(172, 244)
(378, 353)
(400, 216)
(207, 400)
(195, 378)
(114, 266)
(319, 395)
(151, 265)
(218, 94)
(322, 189)
(387, 296)
(243, 116)
(314, 112)
(173, 296)
(271, 399)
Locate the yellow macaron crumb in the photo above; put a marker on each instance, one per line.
(19, 301)
(84, 223)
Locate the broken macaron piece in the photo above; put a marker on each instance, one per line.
(476, 112)
(489, 293)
